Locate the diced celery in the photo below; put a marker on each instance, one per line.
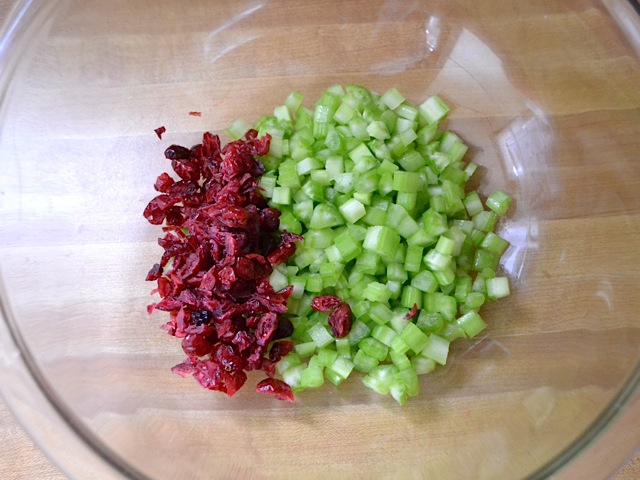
(379, 312)
(377, 292)
(292, 376)
(289, 360)
(359, 331)
(425, 281)
(382, 241)
(311, 377)
(406, 181)
(325, 216)
(320, 335)
(413, 259)
(237, 128)
(378, 192)
(471, 324)
(414, 337)
(437, 261)
(498, 287)
(430, 322)
(422, 365)
(343, 347)
(433, 109)
(281, 195)
(293, 101)
(383, 334)
(499, 202)
(305, 349)
(485, 220)
(380, 378)
(400, 360)
(473, 204)
(342, 366)
(411, 296)
(437, 349)
(378, 129)
(305, 165)
(494, 243)
(374, 348)
(392, 98)
(363, 362)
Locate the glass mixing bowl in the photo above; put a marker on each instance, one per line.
(546, 93)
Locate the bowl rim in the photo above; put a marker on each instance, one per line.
(26, 390)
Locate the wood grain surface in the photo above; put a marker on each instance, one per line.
(20, 459)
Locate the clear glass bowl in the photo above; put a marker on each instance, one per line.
(546, 93)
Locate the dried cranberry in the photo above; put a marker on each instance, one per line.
(340, 320)
(159, 131)
(195, 114)
(284, 330)
(412, 313)
(275, 387)
(196, 345)
(243, 340)
(175, 152)
(268, 367)
(163, 183)
(200, 317)
(226, 356)
(234, 380)
(324, 303)
(155, 273)
(221, 241)
(279, 350)
(266, 328)
(270, 219)
(155, 211)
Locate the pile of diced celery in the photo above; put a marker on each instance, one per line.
(377, 189)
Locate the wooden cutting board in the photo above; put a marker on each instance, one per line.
(21, 459)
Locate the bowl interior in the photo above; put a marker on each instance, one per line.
(546, 95)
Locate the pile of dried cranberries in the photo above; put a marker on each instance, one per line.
(220, 244)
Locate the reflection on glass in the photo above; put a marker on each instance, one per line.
(220, 41)
(627, 19)
(432, 33)
(525, 146)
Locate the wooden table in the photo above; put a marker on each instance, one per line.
(21, 459)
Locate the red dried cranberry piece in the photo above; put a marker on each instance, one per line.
(200, 317)
(210, 145)
(163, 183)
(243, 340)
(177, 152)
(284, 330)
(196, 345)
(268, 367)
(254, 360)
(155, 211)
(159, 131)
(277, 388)
(195, 114)
(324, 303)
(234, 380)
(412, 313)
(186, 170)
(340, 320)
(270, 220)
(279, 350)
(155, 273)
(173, 216)
(266, 328)
(226, 356)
